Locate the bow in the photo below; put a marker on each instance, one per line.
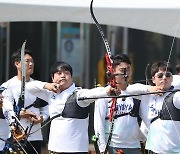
(111, 75)
(109, 61)
(23, 79)
(20, 105)
(19, 132)
(107, 47)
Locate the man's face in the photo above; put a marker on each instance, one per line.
(125, 72)
(29, 65)
(63, 78)
(163, 79)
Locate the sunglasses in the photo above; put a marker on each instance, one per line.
(166, 74)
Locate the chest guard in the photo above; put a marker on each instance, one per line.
(134, 112)
(1, 114)
(169, 111)
(73, 110)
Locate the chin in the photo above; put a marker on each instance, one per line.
(166, 88)
(63, 84)
(31, 72)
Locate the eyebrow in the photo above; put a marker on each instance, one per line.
(125, 67)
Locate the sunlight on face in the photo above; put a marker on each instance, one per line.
(63, 78)
(163, 79)
(29, 65)
(29, 62)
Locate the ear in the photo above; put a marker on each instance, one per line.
(17, 64)
(153, 79)
(114, 69)
(52, 78)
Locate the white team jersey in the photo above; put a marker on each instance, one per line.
(163, 136)
(126, 131)
(4, 132)
(66, 134)
(13, 93)
(176, 81)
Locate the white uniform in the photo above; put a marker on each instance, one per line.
(13, 93)
(144, 130)
(176, 81)
(163, 136)
(66, 134)
(4, 132)
(126, 132)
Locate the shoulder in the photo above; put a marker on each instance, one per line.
(11, 83)
(31, 79)
(176, 80)
(176, 99)
(78, 89)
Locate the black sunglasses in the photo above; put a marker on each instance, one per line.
(166, 74)
(2, 89)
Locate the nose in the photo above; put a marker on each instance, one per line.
(164, 76)
(63, 74)
(31, 63)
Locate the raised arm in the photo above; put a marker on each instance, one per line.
(39, 89)
(92, 93)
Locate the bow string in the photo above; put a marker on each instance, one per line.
(168, 61)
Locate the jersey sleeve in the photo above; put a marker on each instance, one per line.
(36, 88)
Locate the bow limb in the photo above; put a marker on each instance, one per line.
(108, 50)
(22, 95)
(108, 53)
(21, 100)
(20, 131)
(23, 75)
(110, 73)
(17, 130)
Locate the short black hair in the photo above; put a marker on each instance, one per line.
(178, 69)
(61, 66)
(160, 65)
(120, 58)
(16, 56)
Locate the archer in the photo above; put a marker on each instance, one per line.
(30, 117)
(126, 134)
